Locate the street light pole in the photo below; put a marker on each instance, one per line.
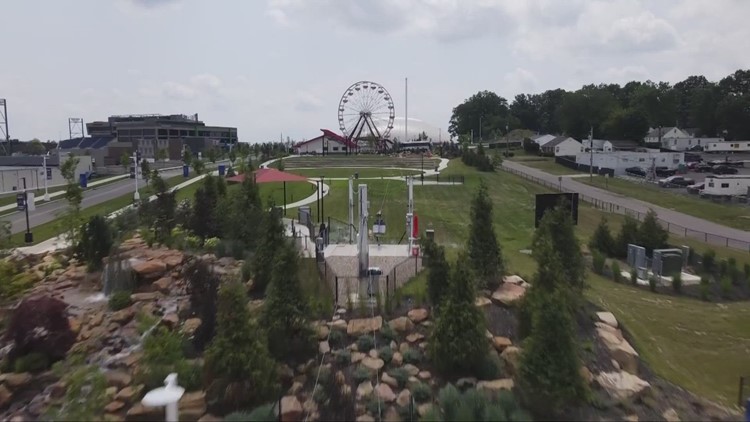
(46, 193)
(136, 195)
(29, 236)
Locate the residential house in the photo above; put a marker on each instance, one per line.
(677, 139)
(562, 146)
(543, 139)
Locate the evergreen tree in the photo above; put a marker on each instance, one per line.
(602, 239)
(557, 227)
(438, 272)
(95, 242)
(239, 371)
(651, 235)
(204, 220)
(286, 311)
(628, 234)
(484, 249)
(457, 344)
(549, 370)
(271, 240)
(239, 208)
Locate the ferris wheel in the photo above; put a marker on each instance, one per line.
(366, 112)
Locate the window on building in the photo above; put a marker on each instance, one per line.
(149, 132)
(162, 132)
(174, 133)
(710, 184)
(725, 185)
(335, 148)
(640, 160)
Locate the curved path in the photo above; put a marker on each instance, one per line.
(683, 223)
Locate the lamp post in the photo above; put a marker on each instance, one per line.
(136, 195)
(29, 237)
(44, 163)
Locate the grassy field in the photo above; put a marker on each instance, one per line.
(346, 172)
(10, 198)
(728, 215)
(698, 345)
(295, 191)
(53, 228)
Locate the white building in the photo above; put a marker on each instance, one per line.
(562, 146)
(543, 139)
(604, 145)
(727, 185)
(678, 139)
(328, 143)
(620, 160)
(731, 146)
(14, 169)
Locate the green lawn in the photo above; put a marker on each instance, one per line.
(53, 228)
(346, 172)
(295, 191)
(728, 215)
(547, 164)
(10, 198)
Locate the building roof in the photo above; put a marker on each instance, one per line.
(28, 161)
(557, 141)
(93, 142)
(542, 140)
(330, 135)
(623, 144)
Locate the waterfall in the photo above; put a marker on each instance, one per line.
(117, 275)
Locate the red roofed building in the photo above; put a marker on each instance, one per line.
(325, 144)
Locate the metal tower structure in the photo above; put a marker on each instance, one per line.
(4, 135)
(76, 128)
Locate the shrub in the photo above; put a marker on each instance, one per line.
(421, 392)
(361, 374)
(484, 251)
(375, 407)
(162, 355)
(598, 261)
(365, 343)
(343, 357)
(616, 276)
(14, 280)
(203, 287)
(401, 375)
(438, 272)
(723, 268)
(119, 300)
(652, 283)
(385, 353)
(449, 399)
(39, 325)
(634, 277)
(388, 334)
(336, 338)
(704, 288)
(490, 367)
(708, 261)
(95, 242)
(412, 355)
(266, 412)
(677, 282)
(651, 235)
(33, 362)
(628, 234)
(81, 381)
(247, 269)
(726, 287)
(602, 239)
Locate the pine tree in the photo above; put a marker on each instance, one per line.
(549, 370)
(272, 238)
(239, 370)
(628, 234)
(602, 239)
(557, 227)
(457, 343)
(286, 311)
(484, 249)
(651, 235)
(438, 272)
(239, 207)
(205, 220)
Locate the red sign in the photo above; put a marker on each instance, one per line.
(415, 232)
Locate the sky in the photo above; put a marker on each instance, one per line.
(276, 68)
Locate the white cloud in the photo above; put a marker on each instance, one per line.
(307, 102)
(177, 91)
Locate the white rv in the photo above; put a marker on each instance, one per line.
(726, 185)
(728, 146)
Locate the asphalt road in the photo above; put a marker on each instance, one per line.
(678, 223)
(45, 213)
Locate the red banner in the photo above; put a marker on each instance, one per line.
(415, 232)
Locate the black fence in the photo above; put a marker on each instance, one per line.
(672, 228)
(571, 164)
(455, 179)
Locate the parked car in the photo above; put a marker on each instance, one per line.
(665, 171)
(676, 181)
(696, 148)
(703, 168)
(696, 188)
(724, 169)
(635, 171)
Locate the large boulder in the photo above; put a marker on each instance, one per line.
(508, 294)
(385, 393)
(291, 408)
(150, 270)
(127, 394)
(364, 390)
(622, 385)
(16, 381)
(418, 315)
(190, 325)
(373, 364)
(192, 406)
(607, 318)
(619, 348)
(123, 316)
(401, 324)
(358, 327)
(162, 285)
(145, 297)
(140, 412)
(495, 386)
(404, 397)
(512, 357)
(119, 379)
(5, 396)
(387, 379)
(501, 343)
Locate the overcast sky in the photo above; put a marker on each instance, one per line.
(281, 66)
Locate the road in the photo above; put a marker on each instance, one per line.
(677, 223)
(45, 213)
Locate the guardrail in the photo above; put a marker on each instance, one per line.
(610, 207)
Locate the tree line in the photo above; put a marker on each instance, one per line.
(713, 109)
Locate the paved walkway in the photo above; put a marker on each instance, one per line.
(678, 223)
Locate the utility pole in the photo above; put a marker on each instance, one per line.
(591, 154)
(363, 244)
(410, 212)
(406, 109)
(29, 236)
(136, 195)
(351, 208)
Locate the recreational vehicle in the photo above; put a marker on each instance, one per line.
(726, 185)
(731, 146)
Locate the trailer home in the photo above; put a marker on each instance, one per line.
(729, 146)
(726, 185)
